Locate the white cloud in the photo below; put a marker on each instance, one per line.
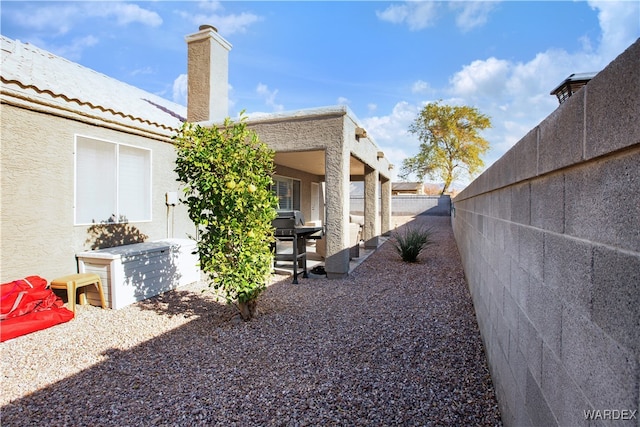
(619, 24)
(388, 128)
(514, 94)
(343, 101)
(124, 13)
(212, 5)
(371, 108)
(472, 14)
(142, 71)
(180, 89)
(480, 78)
(225, 24)
(73, 51)
(62, 18)
(59, 19)
(392, 136)
(269, 97)
(420, 86)
(416, 15)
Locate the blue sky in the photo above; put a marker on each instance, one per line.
(383, 59)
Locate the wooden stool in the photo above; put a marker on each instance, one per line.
(72, 282)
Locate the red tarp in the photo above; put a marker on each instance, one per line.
(28, 305)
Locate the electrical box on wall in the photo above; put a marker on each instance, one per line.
(172, 198)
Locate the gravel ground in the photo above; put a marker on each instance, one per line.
(393, 344)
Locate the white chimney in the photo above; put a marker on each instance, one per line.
(207, 76)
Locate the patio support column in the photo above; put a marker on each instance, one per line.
(370, 207)
(385, 206)
(337, 206)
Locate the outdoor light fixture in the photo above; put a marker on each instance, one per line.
(380, 155)
(571, 85)
(361, 133)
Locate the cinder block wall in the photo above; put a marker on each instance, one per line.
(550, 241)
(409, 205)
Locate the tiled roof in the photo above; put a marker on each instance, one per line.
(42, 75)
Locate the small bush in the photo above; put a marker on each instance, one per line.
(411, 241)
(226, 172)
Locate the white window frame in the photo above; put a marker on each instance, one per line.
(148, 217)
(295, 190)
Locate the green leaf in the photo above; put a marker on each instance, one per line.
(450, 143)
(207, 159)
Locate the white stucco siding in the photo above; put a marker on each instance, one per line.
(337, 219)
(36, 224)
(332, 130)
(304, 134)
(37, 197)
(366, 150)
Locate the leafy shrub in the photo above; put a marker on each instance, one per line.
(227, 176)
(411, 241)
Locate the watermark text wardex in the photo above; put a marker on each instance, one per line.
(610, 414)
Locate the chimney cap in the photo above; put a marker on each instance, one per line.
(571, 85)
(207, 27)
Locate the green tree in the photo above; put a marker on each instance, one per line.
(227, 174)
(449, 143)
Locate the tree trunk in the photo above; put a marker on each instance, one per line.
(247, 309)
(445, 188)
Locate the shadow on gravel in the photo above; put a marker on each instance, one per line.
(189, 304)
(365, 361)
(168, 380)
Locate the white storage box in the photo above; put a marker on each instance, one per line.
(139, 271)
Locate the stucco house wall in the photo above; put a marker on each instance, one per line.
(331, 134)
(38, 231)
(326, 142)
(306, 180)
(38, 235)
(47, 101)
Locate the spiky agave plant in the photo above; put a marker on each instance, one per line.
(410, 241)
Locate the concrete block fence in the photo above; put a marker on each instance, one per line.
(407, 205)
(550, 241)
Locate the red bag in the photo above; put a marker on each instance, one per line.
(29, 305)
(31, 322)
(24, 296)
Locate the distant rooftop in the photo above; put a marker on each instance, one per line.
(406, 187)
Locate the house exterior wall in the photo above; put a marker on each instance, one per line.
(320, 133)
(550, 241)
(299, 134)
(306, 179)
(38, 235)
(333, 131)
